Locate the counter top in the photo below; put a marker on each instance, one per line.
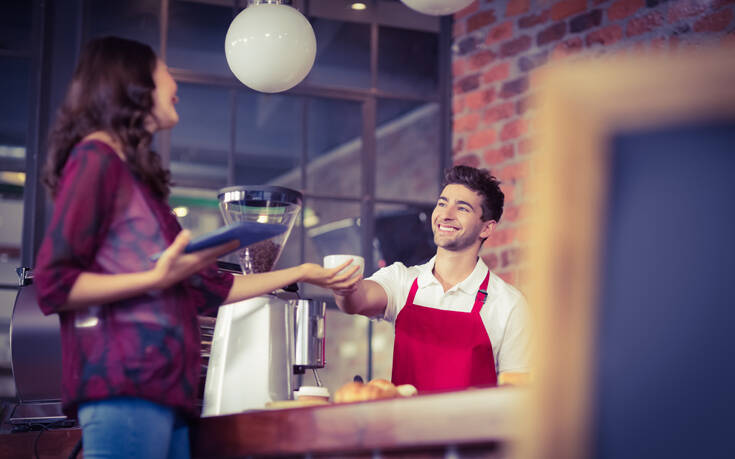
(477, 421)
(471, 417)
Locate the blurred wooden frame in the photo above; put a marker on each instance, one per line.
(581, 106)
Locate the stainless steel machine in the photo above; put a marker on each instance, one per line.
(260, 344)
(35, 349)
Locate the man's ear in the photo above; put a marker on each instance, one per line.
(487, 229)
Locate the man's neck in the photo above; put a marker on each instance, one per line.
(452, 267)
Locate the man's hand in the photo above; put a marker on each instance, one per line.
(513, 379)
(331, 278)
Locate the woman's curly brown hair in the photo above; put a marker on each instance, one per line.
(111, 91)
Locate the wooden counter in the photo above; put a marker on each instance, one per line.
(481, 419)
(473, 423)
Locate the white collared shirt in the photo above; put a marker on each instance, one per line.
(505, 313)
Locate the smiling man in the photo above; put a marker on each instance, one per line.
(457, 324)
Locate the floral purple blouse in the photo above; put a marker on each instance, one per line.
(106, 221)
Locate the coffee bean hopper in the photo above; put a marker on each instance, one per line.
(260, 344)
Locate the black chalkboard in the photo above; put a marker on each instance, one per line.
(665, 362)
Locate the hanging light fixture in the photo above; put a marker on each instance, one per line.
(270, 46)
(437, 7)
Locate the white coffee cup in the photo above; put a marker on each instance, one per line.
(332, 261)
(312, 393)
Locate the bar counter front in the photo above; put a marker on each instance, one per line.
(471, 423)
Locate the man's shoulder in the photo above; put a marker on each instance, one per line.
(505, 292)
(396, 277)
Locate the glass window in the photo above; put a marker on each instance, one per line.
(407, 150)
(291, 255)
(382, 344)
(403, 233)
(15, 24)
(200, 142)
(197, 209)
(333, 227)
(11, 226)
(335, 147)
(268, 141)
(408, 61)
(345, 350)
(137, 20)
(196, 37)
(342, 54)
(14, 90)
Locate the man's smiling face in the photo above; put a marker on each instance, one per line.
(457, 218)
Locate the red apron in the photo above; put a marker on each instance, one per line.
(442, 350)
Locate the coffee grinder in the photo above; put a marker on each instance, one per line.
(260, 343)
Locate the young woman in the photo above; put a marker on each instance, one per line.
(130, 336)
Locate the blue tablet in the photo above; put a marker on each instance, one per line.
(246, 232)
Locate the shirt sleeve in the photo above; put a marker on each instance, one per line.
(515, 352)
(391, 278)
(83, 211)
(214, 285)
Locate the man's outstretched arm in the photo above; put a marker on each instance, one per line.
(365, 297)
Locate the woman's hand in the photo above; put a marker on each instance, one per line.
(174, 265)
(331, 278)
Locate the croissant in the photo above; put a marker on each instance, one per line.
(374, 390)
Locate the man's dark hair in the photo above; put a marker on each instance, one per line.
(479, 181)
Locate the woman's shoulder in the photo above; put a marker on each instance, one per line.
(94, 147)
(95, 155)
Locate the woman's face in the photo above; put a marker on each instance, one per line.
(164, 99)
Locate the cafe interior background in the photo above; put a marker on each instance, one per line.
(393, 98)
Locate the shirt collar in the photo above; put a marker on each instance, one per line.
(470, 285)
(426, 277)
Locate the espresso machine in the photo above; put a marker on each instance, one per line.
(259, 344)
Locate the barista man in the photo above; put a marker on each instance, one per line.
(457, 325)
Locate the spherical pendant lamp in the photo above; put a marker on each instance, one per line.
(270, 46)
(437, 7)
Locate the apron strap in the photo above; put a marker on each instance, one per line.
(412, 292)
(481, 295)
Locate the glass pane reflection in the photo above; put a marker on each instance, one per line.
(196, 209)
(137, 20)
(332, 227)
(382, 344)
(342, 54)
(335, 147)
(14, 91)
(346, 351)
(403, 233)
(408, 61)
(200, 143)
(15, 24)
(196, 37)
(407, 150)
(268, 140)
(11, 229)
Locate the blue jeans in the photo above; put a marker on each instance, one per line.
(132, 428)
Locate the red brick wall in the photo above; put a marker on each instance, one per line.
(497, 46)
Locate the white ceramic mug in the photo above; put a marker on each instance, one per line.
(332, 261)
